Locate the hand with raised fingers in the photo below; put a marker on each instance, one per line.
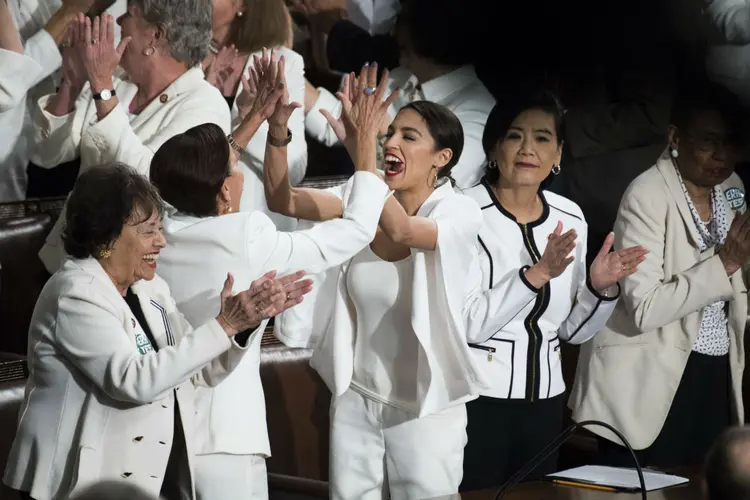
(222, 66)
(95, 46)
(610, 267)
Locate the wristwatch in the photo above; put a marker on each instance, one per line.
(280, 143)
(104, 95)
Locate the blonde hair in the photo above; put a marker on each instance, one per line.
(265, 23)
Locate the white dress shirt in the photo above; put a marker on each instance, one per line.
(199, 253)
(375, 16)
(130, 139)
(19, 75)
(460, 91)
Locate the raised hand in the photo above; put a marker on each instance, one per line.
(266, 297)
(555, 259)
(284, 109)
(610, 267)
(735, 251)
(222, 66)
(95, 46)
(74, 73)
(264, 87)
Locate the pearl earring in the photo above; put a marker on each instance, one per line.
(239, 14)
(675, 154)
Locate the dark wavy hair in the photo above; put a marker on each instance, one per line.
(190, 169)
(503, 114)
(445, 128)
(105, 199)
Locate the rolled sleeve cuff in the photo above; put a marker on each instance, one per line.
(316, 124)
(522, 275)
(51, 122)
(108, 130)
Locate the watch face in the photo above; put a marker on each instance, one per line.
(106, 95)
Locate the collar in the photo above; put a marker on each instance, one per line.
(442, 191)
(495, 201)
(668, 171)
(438, 89)
(186, 82)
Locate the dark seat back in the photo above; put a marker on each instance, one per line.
(22, 275)
(12, 382)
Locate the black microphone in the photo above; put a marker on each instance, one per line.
(557, 443)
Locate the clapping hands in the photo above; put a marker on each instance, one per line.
(265, 94)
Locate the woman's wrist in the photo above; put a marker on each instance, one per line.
(278, 130)
(537, 276)
(226, 326)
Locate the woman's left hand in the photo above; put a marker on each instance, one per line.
(96, 48)
(610, 267)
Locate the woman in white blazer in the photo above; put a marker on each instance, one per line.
(392, 346)
(112, 361)
(207, 235)
(667, 369)
(532, 290)
(242, 29)
(100, 117)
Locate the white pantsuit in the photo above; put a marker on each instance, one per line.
(100, 400)
(423, 456)
(239, 477)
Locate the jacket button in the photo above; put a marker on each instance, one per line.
(137, 439)
(126, 474)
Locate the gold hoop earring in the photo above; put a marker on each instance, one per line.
(105, 253)
(149, 51)
(434, 178)
(556, 169)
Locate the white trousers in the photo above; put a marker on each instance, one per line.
(221, 476)
(377, 449)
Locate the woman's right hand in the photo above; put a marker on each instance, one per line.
(266, 298)
(555, 259)
(736, 248)
(74, 73)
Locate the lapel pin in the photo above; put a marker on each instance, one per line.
(163, 98)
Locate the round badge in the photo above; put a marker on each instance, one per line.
(164, 98)
(735, 198)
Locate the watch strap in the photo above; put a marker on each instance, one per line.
(98, 96)
(280, 143)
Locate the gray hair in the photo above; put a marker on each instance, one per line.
(113, 490)
(187, 25)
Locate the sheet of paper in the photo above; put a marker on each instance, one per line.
(617, 477)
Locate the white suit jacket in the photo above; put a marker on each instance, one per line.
(24, 78)
(253, 194)
(460, 91)
(446, 371)
(188, 102)
(628, 374)
(231, 418)
(99, 402)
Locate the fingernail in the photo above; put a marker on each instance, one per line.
(367, 64)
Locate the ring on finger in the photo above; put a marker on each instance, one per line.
(94, 41)
(370, 90)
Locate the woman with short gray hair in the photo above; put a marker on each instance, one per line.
(102, 117)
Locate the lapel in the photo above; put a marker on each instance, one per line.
(184, 83)
(155, 314)
(667, 170)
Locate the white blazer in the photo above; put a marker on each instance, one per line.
(253, 194)
(24, 78)
(628, 375)
(99, 402)
(188, 102)
(447, 374)
(231, 418)
(515, 330)
(460, 91)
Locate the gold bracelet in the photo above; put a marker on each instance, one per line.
(233, 143)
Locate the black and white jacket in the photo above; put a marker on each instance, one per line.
(514, 329)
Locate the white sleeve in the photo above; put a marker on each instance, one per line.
(91, 338)
(332, 242)
(316, 124)
(590, 310)
(57, 138)
(731, 18)
(18, 73)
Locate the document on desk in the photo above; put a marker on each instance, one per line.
(617, 478)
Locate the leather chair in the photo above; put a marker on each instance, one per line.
(22, 275)
(13, 373)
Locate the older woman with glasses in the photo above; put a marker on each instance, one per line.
(102, 117)
(667, 368)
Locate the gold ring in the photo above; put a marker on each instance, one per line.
(93, 42)
(287, 297)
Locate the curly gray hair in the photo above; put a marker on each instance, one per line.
(187, 25)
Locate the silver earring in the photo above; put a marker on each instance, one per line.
(675, 154)
(556, 169)
(492, 164)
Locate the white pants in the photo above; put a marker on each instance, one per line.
(221, 476)
(377, 449)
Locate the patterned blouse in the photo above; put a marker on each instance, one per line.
(713, 338)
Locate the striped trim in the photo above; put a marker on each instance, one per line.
(167, 328)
